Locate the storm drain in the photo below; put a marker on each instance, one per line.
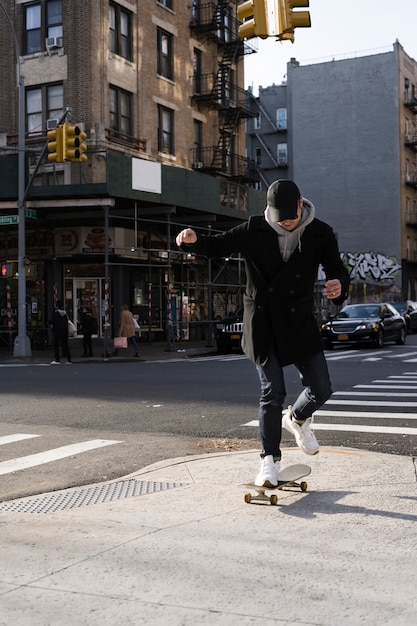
(87, 496)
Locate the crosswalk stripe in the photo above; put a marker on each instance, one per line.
(14, 438)
(367, 415)
(383, 387)
(24, 462)
(406, 381)
(375, 393)
(352, 355)
(378, 403)
(359, 428)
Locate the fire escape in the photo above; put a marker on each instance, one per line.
(214, 22)
(410, 140)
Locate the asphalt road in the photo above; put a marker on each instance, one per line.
(68, 426)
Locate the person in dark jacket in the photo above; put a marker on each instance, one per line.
(89, 327)
(282, 251)
(59, 325)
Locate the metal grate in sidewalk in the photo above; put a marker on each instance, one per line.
(88, 496)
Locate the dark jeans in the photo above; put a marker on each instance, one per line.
(317, 389)
(61, 341)
(87, 344)
(134, 343)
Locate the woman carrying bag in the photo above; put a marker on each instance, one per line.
(127, 329)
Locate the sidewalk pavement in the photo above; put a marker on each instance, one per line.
(148, 352)
(175, 544)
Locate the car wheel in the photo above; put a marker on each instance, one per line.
(401, 339)
(379, 341)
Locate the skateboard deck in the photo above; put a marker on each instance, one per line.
(287, 477)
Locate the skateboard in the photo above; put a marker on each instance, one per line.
(287, 477)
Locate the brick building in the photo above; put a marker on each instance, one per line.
(157, 85)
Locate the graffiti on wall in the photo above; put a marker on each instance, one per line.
(368, 265)
(363, 265)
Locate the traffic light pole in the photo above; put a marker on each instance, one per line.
(22, 344)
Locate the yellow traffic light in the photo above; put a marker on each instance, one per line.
(254, 17)
(289, 19)
(55, 145)
(73, 142)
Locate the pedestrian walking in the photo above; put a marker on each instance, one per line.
(282, 250)
(59, 325)
(127, 328)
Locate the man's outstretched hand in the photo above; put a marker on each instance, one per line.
(187, 235)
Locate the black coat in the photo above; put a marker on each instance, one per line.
(279, 297)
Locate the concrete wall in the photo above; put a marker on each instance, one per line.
(344, 129)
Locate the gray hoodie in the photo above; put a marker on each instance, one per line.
(289, 241)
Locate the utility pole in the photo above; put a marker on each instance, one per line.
(22, 344)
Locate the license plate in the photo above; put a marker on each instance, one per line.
(233, 337)
(342, 337)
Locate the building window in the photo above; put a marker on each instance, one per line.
(282, 154)
(407, 171)
(258, 156)
(43, 103)
(198, 141)
(120, 22)
(197, 70)
(223, 17)
(42, 20)
(165, 130)
(257, 122)
(165, 54)
(121, 111)
(281, 119)
(169, 4)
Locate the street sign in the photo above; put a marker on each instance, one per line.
(6, 220)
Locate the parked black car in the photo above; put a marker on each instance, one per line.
(408, 310)
(373, 324)
(229, 332)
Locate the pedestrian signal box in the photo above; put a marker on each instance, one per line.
(6, 270)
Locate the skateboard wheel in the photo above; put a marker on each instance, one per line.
(273, 499)
(248, 498)
(303, 485)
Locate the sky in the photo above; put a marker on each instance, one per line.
(339, 29)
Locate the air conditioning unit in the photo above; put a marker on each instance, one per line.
(51, 43)
(198, 165)
(408, 178)
(51, 124)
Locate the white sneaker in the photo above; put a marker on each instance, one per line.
(267, 476)
(55, 363)
(304, 436)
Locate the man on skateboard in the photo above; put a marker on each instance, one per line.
(282, 250)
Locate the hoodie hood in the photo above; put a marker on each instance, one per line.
(61, 312)
(289, 240)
